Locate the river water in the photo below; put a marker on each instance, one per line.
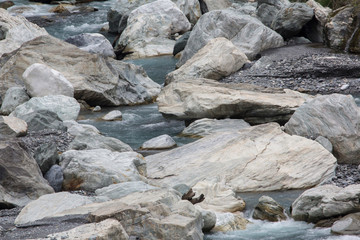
(141, 123)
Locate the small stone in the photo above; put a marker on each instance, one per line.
(344, 87)
(112, 116)
(96, 109)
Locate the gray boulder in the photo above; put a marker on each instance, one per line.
(217, 4)
(181, 43)
(266, 10)
(14, 97)
(93, 43)
(46, 156)
(268, 209)
(160, 142)
(327, 201)
(21, 180)
(325, 143)
(43, 119)
(209, 220)
(248, 34)
(12, 127)
(336, 117)
(55, 177)
(348, 225)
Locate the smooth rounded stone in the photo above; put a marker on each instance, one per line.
(41, 80)
(112, 116)
(181, 43)
(43, 119)
(55, 177)
(12, 127)
(206, 126)
(97, 109)
(149, 28)
(217, 4)
(103, 230)
(230, 222)
(46, 156)
(209, 220)
(93, 169)
(205, 98)
(348, 225)
(326, 201)
(50, 204)
(15, 31)
(259, 158)
(248, 34)
(14, 97)
(15, 188)
(93, 43)
(217, 59)
(289, 21)
(268, 209)
(335, 117)
(325, 143)
(97, 80)
(160, 142)
(119, 190)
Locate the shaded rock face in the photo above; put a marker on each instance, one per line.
(20, 180)
(325, 202)
(335, 117)
(348, 225)
(12, 127)
(14, 97)
(267, 10)
(96, 80)
(268, 209)
(43, 119)
(260, 158)
(181, 43)
(245, 32)
(203, 98)
(55, 177)
(46, 156)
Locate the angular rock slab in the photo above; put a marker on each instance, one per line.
(96, 80)
(92, 169)
(247, 33)
(205, 98)
(336, 117)
(12, 127)
(325, 202)
(20, 178)
(14, 97)
(260, 158)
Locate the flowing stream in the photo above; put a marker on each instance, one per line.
(141, 123)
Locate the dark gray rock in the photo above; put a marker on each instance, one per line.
(43, 119)
(181, 43)
(46, 155)
(55, 177)
(14, 97)
(6, 4)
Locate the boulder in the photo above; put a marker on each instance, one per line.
(181, 43)
(207, 126)
(336, 117)
(209, 220)
(226, 222)
(15, 31)
(41, 80)
(204, 98)
(217, 4)
(268, 209)
(160, 142)
(93, 169)
(103, 230)
(327, 201)
(191, 9)
(97, 80)
(245, 32)
(119, 190)
(55, 177)
(6, 4)
(217, 59)
(14, 97)
(325, 143)
(21, 180)
(43, 119)
(348, 225)
(93, 43)
(149, 28)
(289, 21)
(67, 108)
(259, 158)
(46, 155)
(12, 127)
(267, 10)
(112, 116)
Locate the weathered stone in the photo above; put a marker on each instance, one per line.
(14, 97)
(206, 126)
(93, 169)
(325, 143)
(160, 142)
(41, 80)
(46, 156)
(93, 43)
(20, 180)
(15, 31)
(245, 32)
(181, 43)
(336, 117)
(97, 80)
(43, 119)
(209, 220)
(268, 209)
(191, 9)
(230, 222)
(59, 9)
(12, 127)
(259, 158)
(217, 4)
(348, 225)
(217, 59)
(112, 116)
(67, 108)
(6, 4)
(325, 202)
(55, 177)
(205, 98)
